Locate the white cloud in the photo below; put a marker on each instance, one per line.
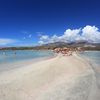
(88, 33)
(5, 41)
(41, 42)
(91, 33)
(71, 35)
(44, 37)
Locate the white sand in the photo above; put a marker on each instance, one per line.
(59, 78)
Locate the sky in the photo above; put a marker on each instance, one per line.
(36, 22)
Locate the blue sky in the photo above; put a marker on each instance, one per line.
(29, 22)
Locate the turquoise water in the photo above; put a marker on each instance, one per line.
(93, 56)
(19, 55)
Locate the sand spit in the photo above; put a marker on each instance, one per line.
(59, 78)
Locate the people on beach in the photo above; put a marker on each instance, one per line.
(64, 51)
(67, 51)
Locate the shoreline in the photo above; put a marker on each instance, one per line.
(95, 90)
(54, 78)
(17, 64)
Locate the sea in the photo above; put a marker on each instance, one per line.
(93, 57)
(10, 56)
(19, 55)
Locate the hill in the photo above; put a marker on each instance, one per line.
(82, 44)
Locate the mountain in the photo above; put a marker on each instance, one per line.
(62, 44)
(84, 44)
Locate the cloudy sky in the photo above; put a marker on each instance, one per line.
(33, 22)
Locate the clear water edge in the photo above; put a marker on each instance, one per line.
(20, 55)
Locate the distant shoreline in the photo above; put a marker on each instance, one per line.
(50, 46)
(32, 48)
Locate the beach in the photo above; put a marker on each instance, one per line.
(57, 78)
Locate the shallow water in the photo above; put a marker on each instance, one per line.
(19, 55)
(14, 59)
(94, 58)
